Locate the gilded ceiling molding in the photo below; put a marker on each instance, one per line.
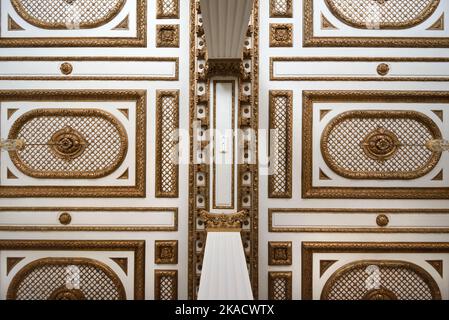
(137, 247)
(91, 228)
(124, 25)
(11, 262)
(167, 123)
(231, 204)
(382, 153)
(279, 253)
(438, 25)
(326, 264)
(309, 249)
(10, 112)
(390, 14)
(281, 120)
(138, 190)
(65, 68)
(124, 175)
(122, 263)
(281, 8)
(199, 173)
(166, 252)
(43, 279)
(310, 191)
(56, 20)
(323, 176)
(381, 60)
(56, 16)
(439, 114)
(375, 229)
(280, 285)
(439, 176)
(70, 150)
(396, 280)
(437, 265)
(166, 284)
(326, 24)
(281, 35)
(12, 25)
(167, 36)
(167, 9)
(10, 175)
(310, 40)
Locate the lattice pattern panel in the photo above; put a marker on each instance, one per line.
(166, 285)
(56, 14)
(54, 279)
(281, 8)
(280, 285)
(381, 280)
(167, 9)
(380, 146)
(370, 14)
(280, 183)
(70, 144)
(167, 118)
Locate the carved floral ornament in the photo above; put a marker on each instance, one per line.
(224, 222)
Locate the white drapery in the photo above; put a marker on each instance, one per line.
(224, 275)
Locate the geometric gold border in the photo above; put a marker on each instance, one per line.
(138, 190)
(159, 245)
(419, 117)
(41, 24)
(412, 42)
(158, 274)
(419, 271)
(137, 246)
(276, 14)
(91, 227)
(272, 276)
(139, 41)
(276, 245)
(310, 248)
(161, 116)
(311, 97)
(346, 229)
(160, 12)
(29, 268)
(285, 42)
(288, 94)
(423, 15)
(17, 126)
(61, 59)
(355, 59)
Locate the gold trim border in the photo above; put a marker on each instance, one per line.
(273, 94)
(30, 267)
(159, 134)
(308, 249)
(25, 15)
(138, 190)
(425, 14)
(425, 276)
(214, 189)
(424, 120)
(309, 40)
(272, 211)
(137, 246)
(68, 112)
(355, 59)
(311, 192)
(90, 228)
(95, 59)
(139, 41)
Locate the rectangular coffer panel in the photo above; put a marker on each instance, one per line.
(82, 143)
(371, 144)
(72, 270)
(61, 23)
(374, 271)
(372, 23)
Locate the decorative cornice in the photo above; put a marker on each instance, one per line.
(224, 222)
(224, 67)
